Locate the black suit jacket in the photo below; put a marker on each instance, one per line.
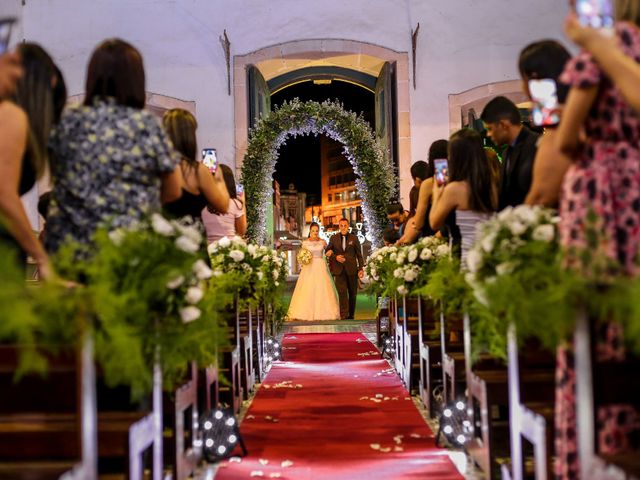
(353, 255)
(516, 179)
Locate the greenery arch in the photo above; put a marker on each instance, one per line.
(375, 175)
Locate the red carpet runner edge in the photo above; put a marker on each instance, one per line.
(333, 409)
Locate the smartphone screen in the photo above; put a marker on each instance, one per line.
(209, 159)
(441, 167)
(595, 13)
(5, 33)
(544, 98)
(239, 189)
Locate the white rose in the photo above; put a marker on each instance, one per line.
(116, 236)
(189, 314)
(402, 290)
(224, 242)
(398, 273)
(505, 215)
(488, 241)
(175, 283)
(202, 270)
(238, 240)
(393, 256)
(189, 231)
(212, 248)
(526, 213)
(400, 258)
(161, 225)
(505, 267)
(276, 274)
(442, 250)
(544, 233)
(260, 276)
(186, 244)
(194, 295)
(474, 261)
(276, 283)
(410, 275)
(517, 228)
(253, 250)
(237, 255)
(413, 254)
(426, 254)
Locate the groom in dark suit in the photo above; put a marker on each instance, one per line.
(346, 264)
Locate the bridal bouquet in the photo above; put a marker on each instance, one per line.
(304, 256)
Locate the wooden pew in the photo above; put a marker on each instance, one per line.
(247, 372)
(231, 391)
(181, 426)
(599, 384)
(208, 388)
(531, 422)
(259, 339)
(430, 350)
(47, 424)
(411, 341)
(382, 321)
(453, 358)
(488, 389)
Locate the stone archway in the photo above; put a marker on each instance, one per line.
(375, 174)
(326, 50)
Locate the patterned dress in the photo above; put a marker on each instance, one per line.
(109, 163)
(600, 215)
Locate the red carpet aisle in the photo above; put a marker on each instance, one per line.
(333, 410)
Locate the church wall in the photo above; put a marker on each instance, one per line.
(462, 44)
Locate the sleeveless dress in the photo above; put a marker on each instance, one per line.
(188, 205)
(466, 220)
(315, 296)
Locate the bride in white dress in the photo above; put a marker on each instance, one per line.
(315, 296)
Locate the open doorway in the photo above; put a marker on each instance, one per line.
(314, 179)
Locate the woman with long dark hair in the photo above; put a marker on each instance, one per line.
(315, 296)
(470, 189)
(25, 123)
(232, 222)
(199, 187)
(114, 162)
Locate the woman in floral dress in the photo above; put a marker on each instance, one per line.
(114, 162)
(600, 220)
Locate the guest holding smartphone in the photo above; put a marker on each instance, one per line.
(544, 61)
(464, 186)
(599, 209)
(199, 187)
(234, 220)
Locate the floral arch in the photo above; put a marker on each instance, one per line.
(375, 175)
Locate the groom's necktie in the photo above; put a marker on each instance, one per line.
(344, 242)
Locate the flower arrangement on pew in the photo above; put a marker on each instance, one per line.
(378, 270)
(515, 269)
(402, 270)
(150, 291)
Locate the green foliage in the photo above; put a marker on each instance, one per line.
(376, 180)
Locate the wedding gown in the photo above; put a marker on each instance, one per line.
(314, 297)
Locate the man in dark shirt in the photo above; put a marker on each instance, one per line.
(504, 126)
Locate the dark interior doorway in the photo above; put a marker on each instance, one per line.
(299, 160)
